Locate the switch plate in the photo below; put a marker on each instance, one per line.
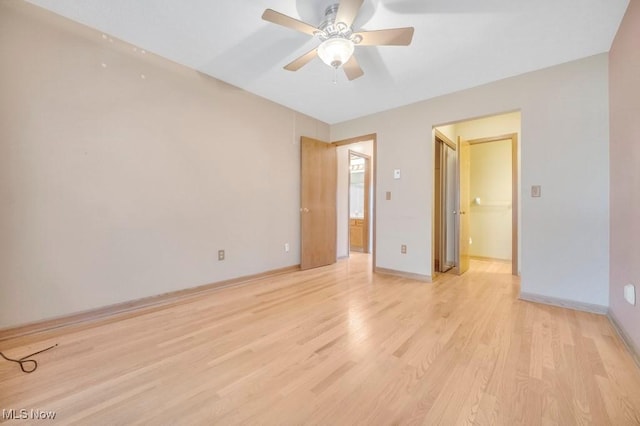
(286, 247)
(403, 249)
(536, 191)
(220, 254)
(388, 196)
(396, 173)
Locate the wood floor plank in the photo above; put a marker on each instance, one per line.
(335, 345)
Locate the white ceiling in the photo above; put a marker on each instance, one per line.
(457, 44)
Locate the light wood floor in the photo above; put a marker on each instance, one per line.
(337, 345)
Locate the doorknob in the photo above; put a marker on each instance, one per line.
(304, 210)
(463, 212)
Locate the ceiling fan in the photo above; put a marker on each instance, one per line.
(338, 40)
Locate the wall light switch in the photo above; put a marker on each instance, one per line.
(396, 173)
(388, 196)
(536, 191)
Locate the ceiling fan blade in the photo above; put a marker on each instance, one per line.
(352, 68)
(390, 37)
(303, 60)
(287, 21)
(348, 10)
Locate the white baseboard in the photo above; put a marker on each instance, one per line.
(564, 303)
(132, 307)
(587, 307)
(410, 275)
(633, 349)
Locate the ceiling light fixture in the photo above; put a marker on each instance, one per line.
(335, 52)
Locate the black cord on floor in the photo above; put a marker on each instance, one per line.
(25, 362)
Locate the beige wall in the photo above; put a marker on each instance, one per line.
(624, 62)
(565, 127)
(115, 187)
(485, 127)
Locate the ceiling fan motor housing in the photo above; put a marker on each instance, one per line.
(331, 29)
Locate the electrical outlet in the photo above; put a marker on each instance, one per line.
(403, 249)
(630, 294)
(536, 191)
(286, 247)
(220, 254)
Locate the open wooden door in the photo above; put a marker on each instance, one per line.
(318, 191)
(464, 203)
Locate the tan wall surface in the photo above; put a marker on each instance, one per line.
(624, 80)
(116, 187)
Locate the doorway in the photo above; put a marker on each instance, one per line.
(359, 201)
(444, 203)
(355, 217)
(484, 211)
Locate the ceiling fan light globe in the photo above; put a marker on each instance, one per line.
(335, 52)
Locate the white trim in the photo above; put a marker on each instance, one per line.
(409, 275)
(564, 303)
(633, 349)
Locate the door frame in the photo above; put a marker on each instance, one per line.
(373, 137)
(513, 137)
(440, 137)
(514, 195)
(462, 267)
(367, 199)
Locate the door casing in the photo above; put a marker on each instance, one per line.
(513, 137)
(367, 199)
(365, 138)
